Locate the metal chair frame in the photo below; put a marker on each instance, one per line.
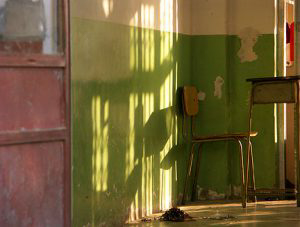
(195, 139)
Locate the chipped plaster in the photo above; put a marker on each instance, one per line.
(208, 194)
(201, 96)
(248, 38)
(218, 87)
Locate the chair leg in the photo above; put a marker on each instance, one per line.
(194, 190)
(248, 145)
(188, 173)
(253, 199)
(242, 173)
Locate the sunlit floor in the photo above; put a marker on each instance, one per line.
(273, 213)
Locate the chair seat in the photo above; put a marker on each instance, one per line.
(242, 135)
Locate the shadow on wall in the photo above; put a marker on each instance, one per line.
(126, 159)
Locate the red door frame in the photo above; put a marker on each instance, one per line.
(49, 135)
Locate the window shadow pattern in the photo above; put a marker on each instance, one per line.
(128, 154)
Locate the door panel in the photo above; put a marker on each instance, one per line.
(33, 176)
(31, 98)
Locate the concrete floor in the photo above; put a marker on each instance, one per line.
(274, 213)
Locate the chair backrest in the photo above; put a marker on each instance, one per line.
(190, 100)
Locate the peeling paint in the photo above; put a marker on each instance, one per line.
(214, 195)
(235, 191)
(201, 96)
(218, 87)
(208, 194)
(248, 38)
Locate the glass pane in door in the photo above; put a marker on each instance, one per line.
(30, 27)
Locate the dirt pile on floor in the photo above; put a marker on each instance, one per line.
(175, 214)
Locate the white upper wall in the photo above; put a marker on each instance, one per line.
(165, 15)
(212, 17)
(209, 17)
(197, 17)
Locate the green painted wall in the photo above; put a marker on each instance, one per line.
(264, 146)
(127, 153)
(209, 60)
(216, 55)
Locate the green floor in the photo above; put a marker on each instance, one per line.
(275, 213)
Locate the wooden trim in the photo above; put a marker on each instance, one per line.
(32, 60)
(22, 137)
(67, 82)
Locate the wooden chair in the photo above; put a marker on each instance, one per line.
(190, 109)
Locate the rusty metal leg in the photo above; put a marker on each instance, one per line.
(247, 173)
(242, 173)
(248, 145)
(253, 199)
(188, 173)
(194, 190)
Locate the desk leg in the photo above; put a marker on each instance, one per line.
(297, 143)
(248, 146)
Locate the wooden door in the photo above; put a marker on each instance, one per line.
(34, 113)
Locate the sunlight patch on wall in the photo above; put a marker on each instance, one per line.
(142, 39)
(176, 20)
(275, 124)
(134, 209)
(166, 100)
(134, 38)
(166, 15)
(166, 92)
(166, 179)
(148, 106)
(147, 161)
(130, 159)
(100, 144)
(147, 16)
(153, 189)
(147, 183)
(175, 85)
(166, 24)
(108, 6)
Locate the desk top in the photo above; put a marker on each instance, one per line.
(273, 79)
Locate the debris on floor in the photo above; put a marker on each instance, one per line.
(220, 217)
(146, 220)
(175, 215)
